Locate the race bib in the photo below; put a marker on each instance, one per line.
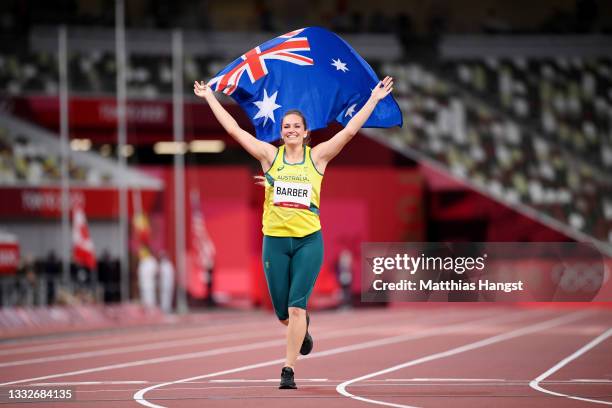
(293, 195)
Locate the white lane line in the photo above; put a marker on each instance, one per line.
(437, 381)
(139, 396)
(172, 358)
(328, 384)
(147, 332)
(407, 381)
(341, 388)
(445, 379)
(216, 387)
(199, 354)
(242, 380)
(125, 338)
(87, 383)
(198, 332)
(535, 383)
(141, 347)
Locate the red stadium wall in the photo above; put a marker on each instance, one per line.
(147, 121)
(24, 203)
(452, 202)
(225, 195)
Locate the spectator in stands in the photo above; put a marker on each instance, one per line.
(438, 20)
(52, 268)
(108, 275)
(404, 29)
(209, 254)
(378, 23)
(356, 22)
(560, 21)
(166, 282)
(344, 275)
(147, 271)
(341, 20)
(26, 281)
(265, 18)
(83, 283)
(586, 15)
(494, 24)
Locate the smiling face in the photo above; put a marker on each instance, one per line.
(293, 129)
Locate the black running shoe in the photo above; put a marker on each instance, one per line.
(308, 343)
(287, 382)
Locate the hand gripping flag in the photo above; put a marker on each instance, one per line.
(310, 69)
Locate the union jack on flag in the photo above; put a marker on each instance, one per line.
(254, 61)
(310, 69)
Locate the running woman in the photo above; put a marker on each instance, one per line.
(292, 243)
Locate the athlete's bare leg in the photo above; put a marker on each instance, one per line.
(296, 330)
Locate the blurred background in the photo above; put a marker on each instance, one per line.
(119, 188)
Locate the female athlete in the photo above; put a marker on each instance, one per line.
(292, 244)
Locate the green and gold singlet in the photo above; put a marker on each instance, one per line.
(291, 205)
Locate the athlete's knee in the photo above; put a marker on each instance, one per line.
(296, 313)
(284, 321)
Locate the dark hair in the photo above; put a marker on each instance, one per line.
(301, 115)
(298, 113)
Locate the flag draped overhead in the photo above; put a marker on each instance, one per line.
(310, 69)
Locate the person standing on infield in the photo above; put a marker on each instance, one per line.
(292, 243)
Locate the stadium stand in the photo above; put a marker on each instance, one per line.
(566, 99)
(533, 132)
(530, 132)
(30, 159)
(494, 152)
(30, 156)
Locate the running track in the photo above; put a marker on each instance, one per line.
(425, 356)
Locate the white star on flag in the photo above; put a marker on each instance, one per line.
(267, 106)
(350, 111)
(340, 66)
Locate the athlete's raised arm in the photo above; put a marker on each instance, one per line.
(324, 152)
(262, 151)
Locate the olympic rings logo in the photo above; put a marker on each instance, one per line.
(580, 276)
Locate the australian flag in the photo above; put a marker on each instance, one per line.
(310, 69)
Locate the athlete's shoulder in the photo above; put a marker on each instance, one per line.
(312, 160)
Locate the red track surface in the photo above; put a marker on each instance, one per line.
(438, 356)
